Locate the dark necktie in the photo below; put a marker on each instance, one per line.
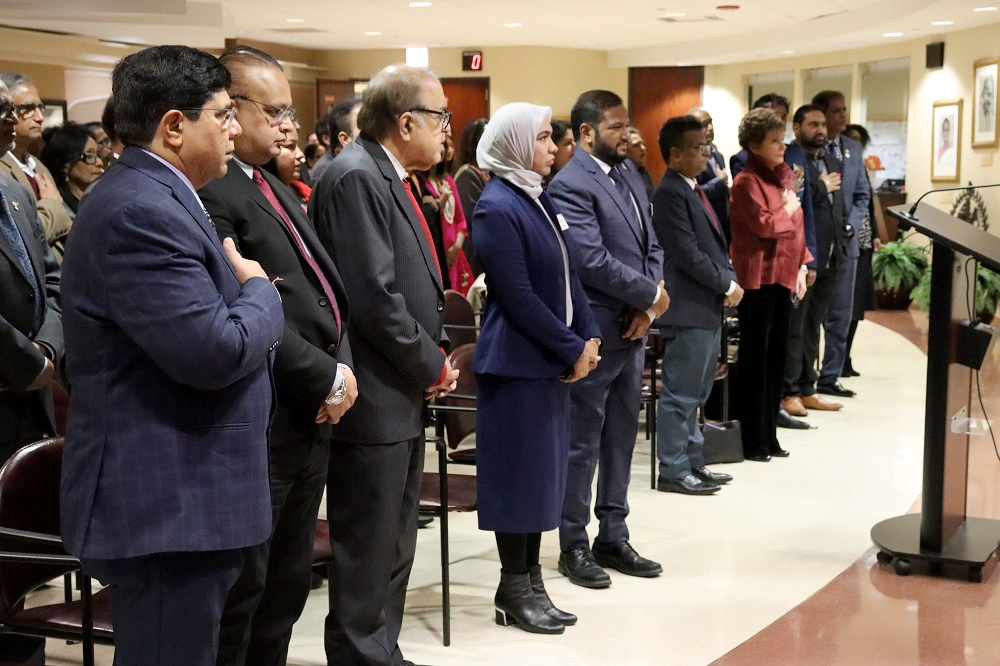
(13, 235)
(34, 185)
(836, 151)
(626, 194)
(708, 209)
(423, 225)
(265, 189)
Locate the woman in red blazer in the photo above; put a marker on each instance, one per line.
(769, 254)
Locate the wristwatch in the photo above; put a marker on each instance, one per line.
(339, 394)
(599, 341)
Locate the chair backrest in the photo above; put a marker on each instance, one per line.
(459, 320)
(459, 425)
(29, 500)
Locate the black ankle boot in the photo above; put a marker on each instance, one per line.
(516, 604)
(542, 597)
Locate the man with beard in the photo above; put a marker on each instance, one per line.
(609, 232)
(823, 202)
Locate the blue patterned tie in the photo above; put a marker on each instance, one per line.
(13, 236)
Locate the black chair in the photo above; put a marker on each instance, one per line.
(32, 554)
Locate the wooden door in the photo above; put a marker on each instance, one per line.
(468, 99)
(329, 92)
(655, 95)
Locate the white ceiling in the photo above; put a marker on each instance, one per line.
(633, 31)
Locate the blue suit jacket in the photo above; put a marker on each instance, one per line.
(524, 332)
(795, 154)
(856, 189)
(696, 266)
(168, 357)
(619, 265)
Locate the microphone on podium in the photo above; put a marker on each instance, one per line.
(913, 208)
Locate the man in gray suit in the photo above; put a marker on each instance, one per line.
(854, 186)
(370, 223)
(620, 263)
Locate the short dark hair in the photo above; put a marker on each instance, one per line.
(673, 131)
(63, 147)
(590, 108)
(469, 141)
(310, 150)
(822, 99)
(866, 138)
(340, 117)
(390, 93)
(559, 129)
(774, 99)
(153, 81)
(757, 124)
(323, 127)
(108, 119)
(800, 113)
(92, 128)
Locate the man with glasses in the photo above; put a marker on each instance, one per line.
(170, 336)
(22, 166)
(370, 222)
(313, 382)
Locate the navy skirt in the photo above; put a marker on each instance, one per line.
(522, 448)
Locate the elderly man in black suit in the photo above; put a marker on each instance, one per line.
(700, 278)
(370, 221)
(313, 382)
(31, 340)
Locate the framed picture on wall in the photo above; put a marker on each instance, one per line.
(946, 140)
(55, 112)
(985, 125)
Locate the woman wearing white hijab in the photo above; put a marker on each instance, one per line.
(537, 336)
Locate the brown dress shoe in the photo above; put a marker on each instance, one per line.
(793, 405)
(816, 402)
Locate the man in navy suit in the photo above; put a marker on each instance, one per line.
(169, 335)
(620, 263)
(700, 278)
(846, 153)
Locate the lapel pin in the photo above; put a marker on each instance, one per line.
(847, 154)
(16, 205)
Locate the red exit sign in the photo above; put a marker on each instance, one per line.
(472, 61)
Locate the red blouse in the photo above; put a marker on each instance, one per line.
(768, 246)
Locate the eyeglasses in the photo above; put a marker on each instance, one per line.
(7, 111)
(704, 148)
(224, 115)
(445, 115)
(28, 110)
(90, 157)
(277, 114)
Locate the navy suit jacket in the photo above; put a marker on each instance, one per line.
(168, 357)
(795, 155)
(856, 188)
(619, 265)
(737, 163)
(716, 190)
(696, 266)
(524, 332)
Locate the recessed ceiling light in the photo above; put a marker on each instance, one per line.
(420, 4)
(295, 20)
(683, 64)
(893, 34)
(372, 33)
(942, 23)
(985, 9)
(785, 52)
(513, 25)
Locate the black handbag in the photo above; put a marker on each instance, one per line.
(723, 442)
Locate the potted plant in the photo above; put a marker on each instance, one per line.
(987, 293)
(897, 269)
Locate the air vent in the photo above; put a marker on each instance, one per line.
(295, 31)
(689, 19)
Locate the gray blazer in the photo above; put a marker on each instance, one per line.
(365, 220)
(854, 185)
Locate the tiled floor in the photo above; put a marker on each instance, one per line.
(766, 571)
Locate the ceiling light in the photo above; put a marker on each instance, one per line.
(893, 34)
(785, 52)
(985, 9)
(420, 4)
(295, 20)
(942, 23)
(683, 64)
(372, 33)
(513, 25)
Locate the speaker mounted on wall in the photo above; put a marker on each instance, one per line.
(935, 55)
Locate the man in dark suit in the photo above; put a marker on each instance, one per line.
(714, 180)
(313, 382)
(856, 193)
(31, 339)
(370, 222)
(611, 239)
(822, 203)
(700, 278)
(169, 335)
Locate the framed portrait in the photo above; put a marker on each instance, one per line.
(946, 140)
(55, 112)
(985, 126)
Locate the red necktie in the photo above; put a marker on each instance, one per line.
(34, 186)
(708, 209)
(265, 189)
(423, 225)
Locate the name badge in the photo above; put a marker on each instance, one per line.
(562, 222)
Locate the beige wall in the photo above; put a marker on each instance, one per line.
(540, 75)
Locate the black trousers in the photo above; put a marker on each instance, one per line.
(764, 322)
(372, 500)
(804, 333)
(271, 592)
(166, 607)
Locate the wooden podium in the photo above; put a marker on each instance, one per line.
(942, 533)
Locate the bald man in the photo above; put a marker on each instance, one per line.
(714, 180)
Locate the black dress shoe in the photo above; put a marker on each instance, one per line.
(778, 452)
(686, 485)
(849, 371)
(757, 457)
(582, 569)
(424, 521)
(837, 389)
(786, 421)
(622, 556)
(707, 475)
